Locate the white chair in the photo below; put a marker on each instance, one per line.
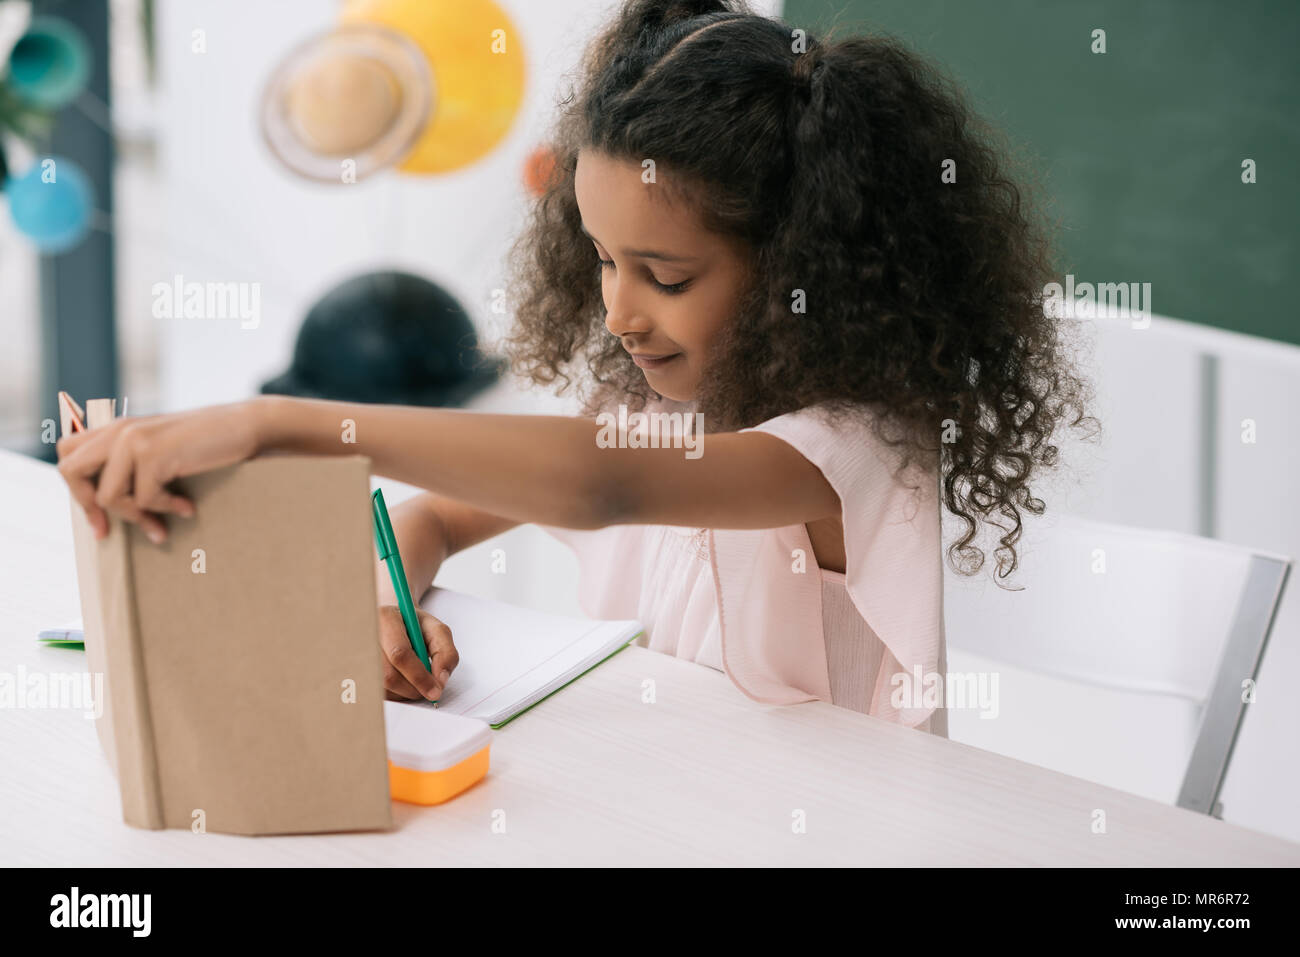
(1126, 658)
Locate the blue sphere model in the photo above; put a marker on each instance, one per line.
(54, 215)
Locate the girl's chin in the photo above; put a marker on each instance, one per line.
(667, 381)
(676, 395)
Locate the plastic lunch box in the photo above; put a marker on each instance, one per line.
(433, 755)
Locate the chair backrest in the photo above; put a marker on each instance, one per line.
(1132, 609)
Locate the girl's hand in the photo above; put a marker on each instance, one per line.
(124, 467)
(404, 676)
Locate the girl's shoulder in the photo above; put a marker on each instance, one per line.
(845, 442)
(833, 428)
(820, 419)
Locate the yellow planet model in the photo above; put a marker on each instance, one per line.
(477, 60)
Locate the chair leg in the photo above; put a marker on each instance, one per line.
(1225, 706)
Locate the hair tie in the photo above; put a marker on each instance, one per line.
(809, 67)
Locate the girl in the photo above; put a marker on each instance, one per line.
(810, 249)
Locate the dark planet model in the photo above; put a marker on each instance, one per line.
(388, 337)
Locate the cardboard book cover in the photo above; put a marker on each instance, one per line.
(242, 670)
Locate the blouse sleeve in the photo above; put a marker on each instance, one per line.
(893, 544)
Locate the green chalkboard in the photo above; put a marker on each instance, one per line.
(1139, 149)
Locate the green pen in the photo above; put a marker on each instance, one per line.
(386, 542)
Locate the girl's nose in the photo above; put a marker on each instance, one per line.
(623, 315)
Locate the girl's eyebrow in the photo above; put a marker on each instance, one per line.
(644, 253)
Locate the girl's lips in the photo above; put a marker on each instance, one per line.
(646, 362)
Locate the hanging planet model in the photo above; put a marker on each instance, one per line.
(347, 103)
(476, 57)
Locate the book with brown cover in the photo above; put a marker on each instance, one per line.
(242, 670)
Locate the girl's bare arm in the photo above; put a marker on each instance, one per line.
(520, 468)
(551, 470)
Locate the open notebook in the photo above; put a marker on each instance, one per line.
(510, 657)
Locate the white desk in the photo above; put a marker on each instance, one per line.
(593, 775)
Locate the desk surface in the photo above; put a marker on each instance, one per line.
(594, 775)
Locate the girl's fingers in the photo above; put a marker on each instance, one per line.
(397, 685)
(401, 657)
(151, 496)
(394, 681)
(83, 491)
(175, 504)
(405, 660)
(69, 444)
(442, 652)
(85, 452)
(113, 491)
(77, 441)
(151, 525)
(79, 476)
(116, 468)
(115, 480)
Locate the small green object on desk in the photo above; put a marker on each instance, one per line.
(67, 637)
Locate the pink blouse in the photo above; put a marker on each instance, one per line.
(754, 604)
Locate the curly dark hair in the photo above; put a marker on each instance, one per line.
(924, 298)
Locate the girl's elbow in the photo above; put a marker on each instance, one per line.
(605, 501)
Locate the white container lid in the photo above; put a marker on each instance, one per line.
(422, 738)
